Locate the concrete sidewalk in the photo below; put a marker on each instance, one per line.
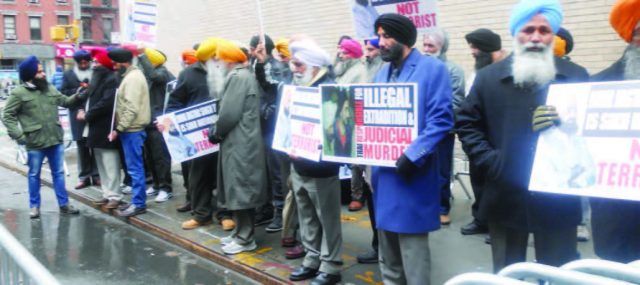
(451, 252)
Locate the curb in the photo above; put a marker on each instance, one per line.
(187, 244)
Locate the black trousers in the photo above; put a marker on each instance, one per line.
(616, 229)
(87, 168)
(368, 195)
(477, 181)
(185, 177)
(159, 160)
(555, 246)
(202, 181)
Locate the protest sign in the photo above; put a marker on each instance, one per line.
(595, 150)
(368, 123)
(140, 22)
(298, 131)
(365, 12)
(186, 132)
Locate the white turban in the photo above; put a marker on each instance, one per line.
(309, 53)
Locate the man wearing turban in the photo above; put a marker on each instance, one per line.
(372, 57)
(270, 72)
(616, 223)
(242, 173)
(315, 185)
(151, 62)
(31, 118)
(407, 197)
(71, 80)
(198, 83)
(486, 47)
(499, 124)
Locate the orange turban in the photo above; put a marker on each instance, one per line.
(624, 18)
(230, 52)
(189, 56)
(559, 46)
(282, 45)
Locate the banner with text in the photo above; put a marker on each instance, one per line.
(186, 132)
(365, 12)
(368, 123)
(298, 131)
(140, 22)
(595, 150)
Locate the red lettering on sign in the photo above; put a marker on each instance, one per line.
(408, 8)
(635, 150)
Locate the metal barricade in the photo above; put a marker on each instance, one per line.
(476, 278)
(18, 266)
(554, 275)
(609, 269)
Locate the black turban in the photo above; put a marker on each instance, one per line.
(484, 40)
(566, 36)
(398, 27)
(268, 45)
(120, 55)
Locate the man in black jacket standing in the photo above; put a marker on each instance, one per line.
(495, 127)
(71, 80)
(151, 62)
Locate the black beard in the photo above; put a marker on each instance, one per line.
(121, 71)
(483, 59)
(392, 54)
(41, 84)
(98, 75)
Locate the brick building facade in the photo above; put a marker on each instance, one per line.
(180, 26)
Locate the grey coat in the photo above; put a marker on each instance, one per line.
(242, 174)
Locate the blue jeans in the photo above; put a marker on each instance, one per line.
(55, 155)
(132, 147)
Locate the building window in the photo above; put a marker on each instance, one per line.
(107, 28)
(106, 3)
(34, 28)
(10, 27)
(61, 1)
(63, 20)
(85, 2)
(7, 64)
(87, 33)
(33, 1)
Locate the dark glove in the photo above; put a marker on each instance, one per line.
(213, 138)
(405, 168)
(544, 117)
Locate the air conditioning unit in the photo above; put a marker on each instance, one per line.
(34, 1)
(62, 1)
(10, 37)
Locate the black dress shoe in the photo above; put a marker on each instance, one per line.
(302, 273)
(184, 208)
(487, 240)
(326, 279)
(474, 228)
(369, 257)
(69, 210)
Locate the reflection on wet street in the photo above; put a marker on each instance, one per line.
(96, 249)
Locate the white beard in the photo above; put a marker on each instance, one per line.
(83, 74)
(632, 63)
(532, 68)
(215, 78)
(303, 79)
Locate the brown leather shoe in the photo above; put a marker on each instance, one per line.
(288, 242)
(113, 204)
(97, 182)
(295, 252)
(82, 184)
(228, 224)
(100, 202)
(355, 206)
(192, 224)
(445, 220)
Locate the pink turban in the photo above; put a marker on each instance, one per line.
(351, 48)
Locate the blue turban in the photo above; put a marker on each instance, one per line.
(28, 68)
(374, 42)
(81, 55)
(527, 9)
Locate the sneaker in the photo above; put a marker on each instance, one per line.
(126, 189)
(152, 191)
(275, 225)
(583, 233)
(69, 210)
(35, 213)
(226, 240)
(131, 211)
(235, 248)
(163, 196)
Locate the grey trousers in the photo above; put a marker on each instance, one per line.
(318, 201)
(553, 247)
(109, 165)
(404, 258)
(244, 230)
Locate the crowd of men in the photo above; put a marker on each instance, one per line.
(116, 94)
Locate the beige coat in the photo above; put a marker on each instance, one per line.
(132, 108)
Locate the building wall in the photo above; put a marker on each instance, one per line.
(180, 26)
(47, 9)
(98, 11)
